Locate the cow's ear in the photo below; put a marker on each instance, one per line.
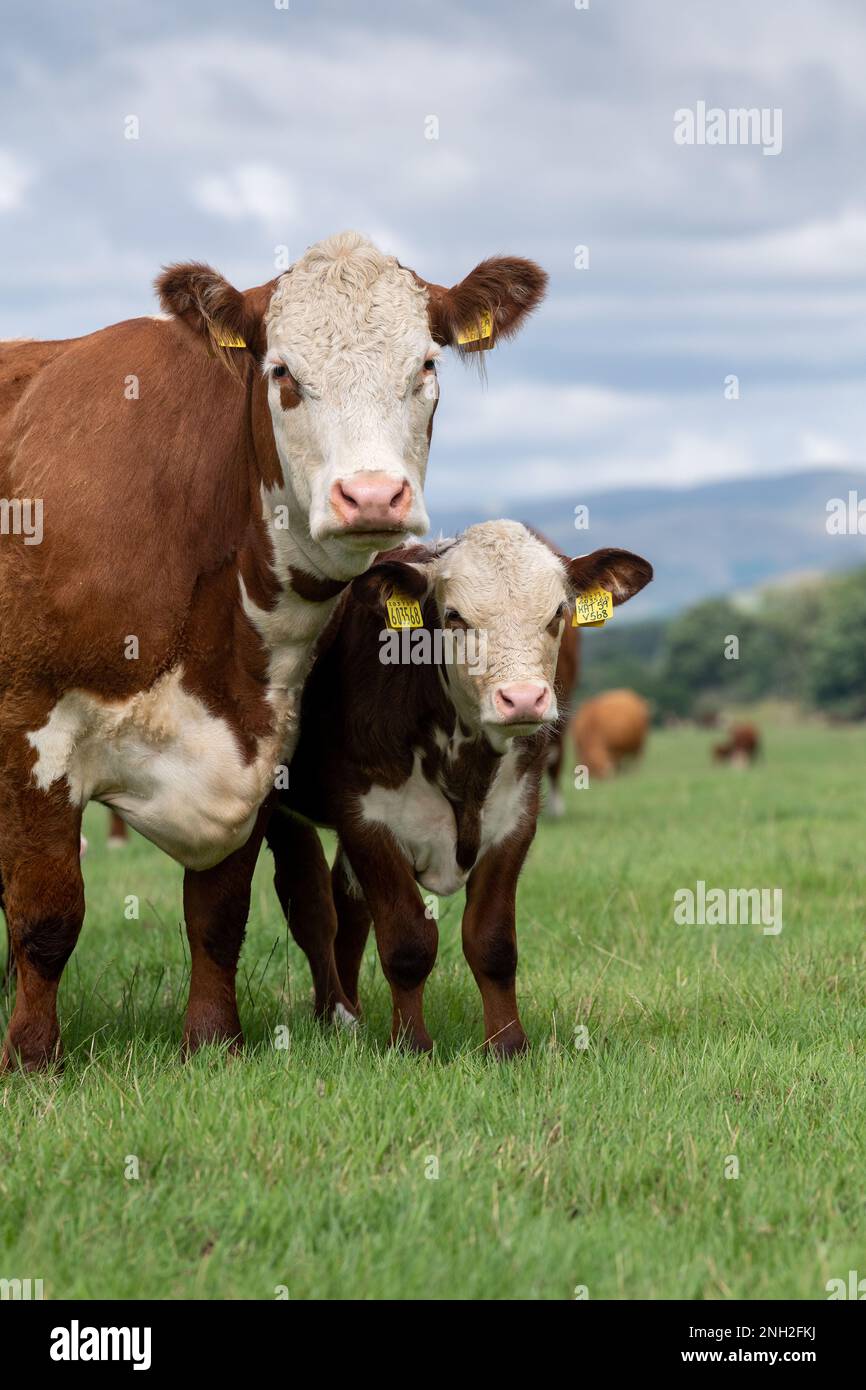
(619, 571)
(382, 581)
(225, 319)
(492, 302)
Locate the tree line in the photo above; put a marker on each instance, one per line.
(803, 642)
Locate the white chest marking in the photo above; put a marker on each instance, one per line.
(172, 769)
(421, 819)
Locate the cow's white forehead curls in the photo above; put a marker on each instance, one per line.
(343, 305)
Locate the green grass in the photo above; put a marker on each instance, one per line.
(602, 1167)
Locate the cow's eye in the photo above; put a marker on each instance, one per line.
(279, 370)
(560, 614)
(430, 364)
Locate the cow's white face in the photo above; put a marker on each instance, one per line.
(352, 387)
(503, 582)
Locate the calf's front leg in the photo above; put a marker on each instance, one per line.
(490, 941)
(406, 938)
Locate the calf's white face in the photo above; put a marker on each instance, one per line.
(352, 386)
(507, 585)
(503, 583)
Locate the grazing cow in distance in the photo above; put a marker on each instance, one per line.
(741, 748)
(118, 831)
(610, 730)
(208, 482)
(429, 771)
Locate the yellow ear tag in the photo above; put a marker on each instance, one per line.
(593, 608)
(479, 336)
(230, 340)
(403, 612)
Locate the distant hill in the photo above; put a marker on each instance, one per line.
(717, 538)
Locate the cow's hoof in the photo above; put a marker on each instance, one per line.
(231, 1039)
(343, 1016)
(417, 1043)
(28, 1057)
(511, 1042)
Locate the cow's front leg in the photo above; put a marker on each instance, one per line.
(216, 904)
(43, 898)
(406, 938)
(490, 942)
(303, 884)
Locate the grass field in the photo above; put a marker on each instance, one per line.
(603, 1166)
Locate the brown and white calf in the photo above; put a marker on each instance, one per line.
(197, 527)
(430, 771)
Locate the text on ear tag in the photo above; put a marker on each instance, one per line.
(479, 335)
(403, 612)
(593, 608)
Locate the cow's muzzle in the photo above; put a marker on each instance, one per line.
(371, 502)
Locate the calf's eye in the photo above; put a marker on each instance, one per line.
(430, 365)
(452, 616)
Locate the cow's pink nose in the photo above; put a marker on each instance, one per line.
(522, 701)
(371, 501)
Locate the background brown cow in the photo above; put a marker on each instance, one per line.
(741, 747)
(610, 729)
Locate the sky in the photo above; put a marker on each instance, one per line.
(262, 128)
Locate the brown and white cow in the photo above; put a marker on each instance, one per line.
(197, 526)
(429, 770)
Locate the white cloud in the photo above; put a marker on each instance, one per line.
(534, 413)
(15, 178)
(255, 191)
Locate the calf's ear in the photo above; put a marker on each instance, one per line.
(501, 292)
(619, 571)
(376, 585)
(227, 320)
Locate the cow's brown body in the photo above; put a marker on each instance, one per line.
(742, 746)
(154, 645)
(610, 729)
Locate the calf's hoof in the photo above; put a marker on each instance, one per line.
(511, 1042)
(412, 1040)
(27, 1051)
(199, 1032)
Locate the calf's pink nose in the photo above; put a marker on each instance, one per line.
(371, 501)
(522, 701)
